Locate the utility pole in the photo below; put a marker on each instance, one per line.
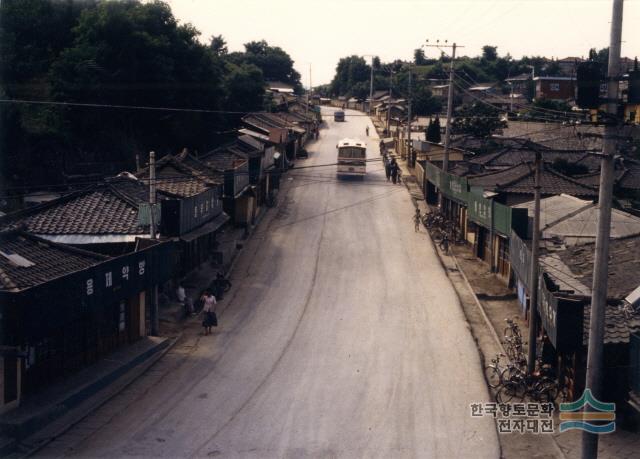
(389, 102)
(447, 134)
(601, 259)
(412, 162)
(533, 280)
(155, 322)
(371, 87)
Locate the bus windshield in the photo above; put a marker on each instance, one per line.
(351, 152)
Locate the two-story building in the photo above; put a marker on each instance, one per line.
(560, 88)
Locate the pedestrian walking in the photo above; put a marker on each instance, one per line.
(367, 130)
(394, 170)
(184, 300)
(387, 167)
(382, 147)
(417, 218)
(208, 310)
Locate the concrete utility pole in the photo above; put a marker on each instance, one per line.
(307, 110)
(533, 281)
(447, 133)
(601, 260)
(155, 320)
(389, 102)
(371, 88)
(412, 162)
(370, 82)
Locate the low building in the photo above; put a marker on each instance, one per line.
(63, 308)
(515, 185)
(555, 88)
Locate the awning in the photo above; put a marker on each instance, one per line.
(207, 228)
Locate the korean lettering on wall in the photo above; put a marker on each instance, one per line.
(121, 274)
(548, 309)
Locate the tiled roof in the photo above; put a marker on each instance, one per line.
(630, 178)
(110, 208)
(178, 178)
(618, 324)
(520, 179)
(267, 121)
(556, 135)
(624, 265)
(223, 158)
(507, 157)
(27, 261)
(572, 270)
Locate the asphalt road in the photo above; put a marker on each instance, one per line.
(342, 338)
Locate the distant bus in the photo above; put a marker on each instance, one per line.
(352, 158)
(338, 116)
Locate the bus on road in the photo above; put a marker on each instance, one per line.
(338, 116)
(352, 158)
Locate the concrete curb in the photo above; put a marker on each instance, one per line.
(113, 383)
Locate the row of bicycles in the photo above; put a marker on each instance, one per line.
(507, 373)
(443, 231)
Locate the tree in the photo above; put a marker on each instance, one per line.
(423, 102)
(478, 120)
(275, 63)
(218, 45)
(244, 87)
(376, 62)
(349, 72)
(136, 54)
(489, 53)
(418, 57)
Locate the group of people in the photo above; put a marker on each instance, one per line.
(391, 169)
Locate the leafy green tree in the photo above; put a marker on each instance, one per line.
(376, 63)
(32, 35)
(419, 57)
(244, 87)
(218, 45)
(349, 72)
(275, 63)
(490, 53)
(478, 120)
(423, 102)
(136, 54)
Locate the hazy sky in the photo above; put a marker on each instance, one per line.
(320, 32)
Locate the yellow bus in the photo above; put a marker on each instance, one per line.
(352, 158)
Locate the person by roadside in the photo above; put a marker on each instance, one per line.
(208, 310)
(394, 170)
(387, 167)
(184, 300)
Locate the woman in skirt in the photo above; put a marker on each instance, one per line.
(208, 309)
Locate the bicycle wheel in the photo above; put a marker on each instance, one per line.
(508, 332)
(509, 391)
(492, 375)
(546, 391)
(436, 235)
